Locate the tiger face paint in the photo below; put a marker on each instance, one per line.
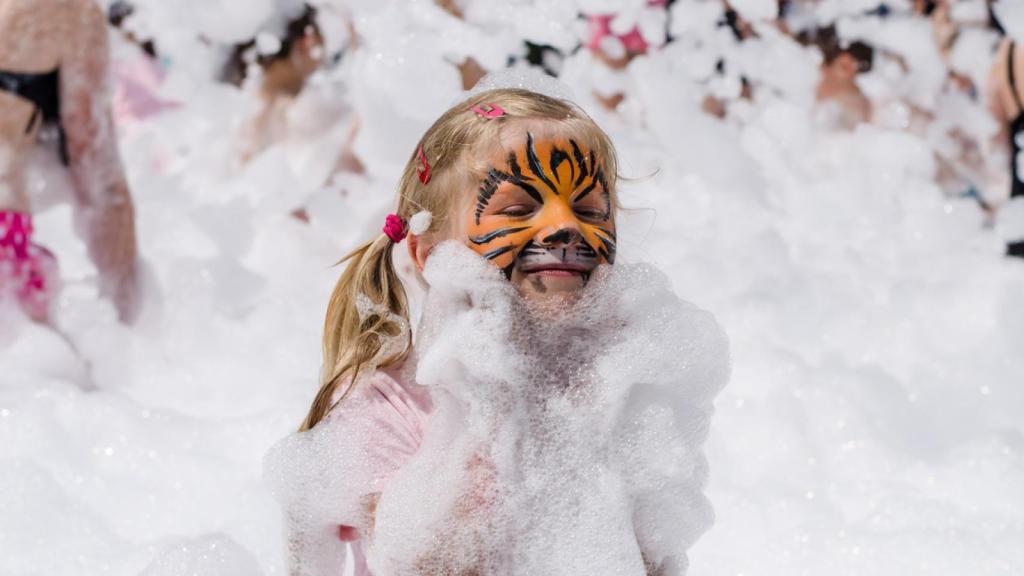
(544, 214)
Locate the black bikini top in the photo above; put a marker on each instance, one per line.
(42, 90)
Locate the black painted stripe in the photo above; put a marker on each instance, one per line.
(561, 236)
(533, 162)
(582, 163)
(557, 157)
(518, 179)
(599, 176)
(587, 190)
(609, 249)
(587, 250)
(498, 252)
(490, 185)
(499, 233)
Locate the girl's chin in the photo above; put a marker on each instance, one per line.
(549, 285)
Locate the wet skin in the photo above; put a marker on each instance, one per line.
(543, 214)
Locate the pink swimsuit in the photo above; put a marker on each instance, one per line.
(28, 272)
(395, 414)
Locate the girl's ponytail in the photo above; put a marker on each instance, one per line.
(355, 335)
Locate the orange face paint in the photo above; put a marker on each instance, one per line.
(547, 191)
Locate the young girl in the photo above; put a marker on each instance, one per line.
(528, 183)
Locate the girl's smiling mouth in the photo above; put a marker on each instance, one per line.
(557, 269)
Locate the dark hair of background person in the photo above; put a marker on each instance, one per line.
(118, 12)
(994, 22)
(828, 41)
(235, 69)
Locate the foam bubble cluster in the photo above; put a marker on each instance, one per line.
(562, 436)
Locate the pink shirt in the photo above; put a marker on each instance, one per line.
(600, 26)
(394, 413)
(137, 94)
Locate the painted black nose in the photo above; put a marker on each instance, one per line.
(563, 236)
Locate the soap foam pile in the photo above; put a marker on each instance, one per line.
(872, 424)
(553, 437)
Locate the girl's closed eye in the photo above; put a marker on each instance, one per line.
(518, 210)
(592, 207)
(512, 202)
(589, 212)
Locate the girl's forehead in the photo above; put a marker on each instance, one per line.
(515, 135)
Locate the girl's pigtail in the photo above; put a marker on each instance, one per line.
(368, 310)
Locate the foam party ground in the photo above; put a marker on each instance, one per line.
(872, 423)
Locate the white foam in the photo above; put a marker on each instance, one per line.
(1011, 17)
(870, 424)
(214, 555)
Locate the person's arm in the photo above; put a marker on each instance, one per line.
(105, 213)
(995, 186)
(996, 84)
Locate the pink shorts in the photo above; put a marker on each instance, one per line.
(28, 272)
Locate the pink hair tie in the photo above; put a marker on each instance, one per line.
(395, 228)
(488, 110)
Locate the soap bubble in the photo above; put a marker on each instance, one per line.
(548, 445)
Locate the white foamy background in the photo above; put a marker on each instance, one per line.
(872, 425)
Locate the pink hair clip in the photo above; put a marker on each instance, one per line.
(488, 111)
(424, 170)
(395, 228)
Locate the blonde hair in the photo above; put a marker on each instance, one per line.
(453, 146)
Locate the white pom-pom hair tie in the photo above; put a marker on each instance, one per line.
(420, 222)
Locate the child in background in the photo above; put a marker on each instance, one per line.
(527, 182)
(615, 51)
(284, 74)
(138, 72)
(838, 93)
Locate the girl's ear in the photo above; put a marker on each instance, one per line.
(419, 249)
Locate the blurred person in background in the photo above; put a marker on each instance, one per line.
(961, 155)
(1006, 102)
(740, 30)
(283, 70)
(283, 74)
(53, 81)
(838, 94)
(616, 50)
(138, 70)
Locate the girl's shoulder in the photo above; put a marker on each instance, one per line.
(388, 396)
